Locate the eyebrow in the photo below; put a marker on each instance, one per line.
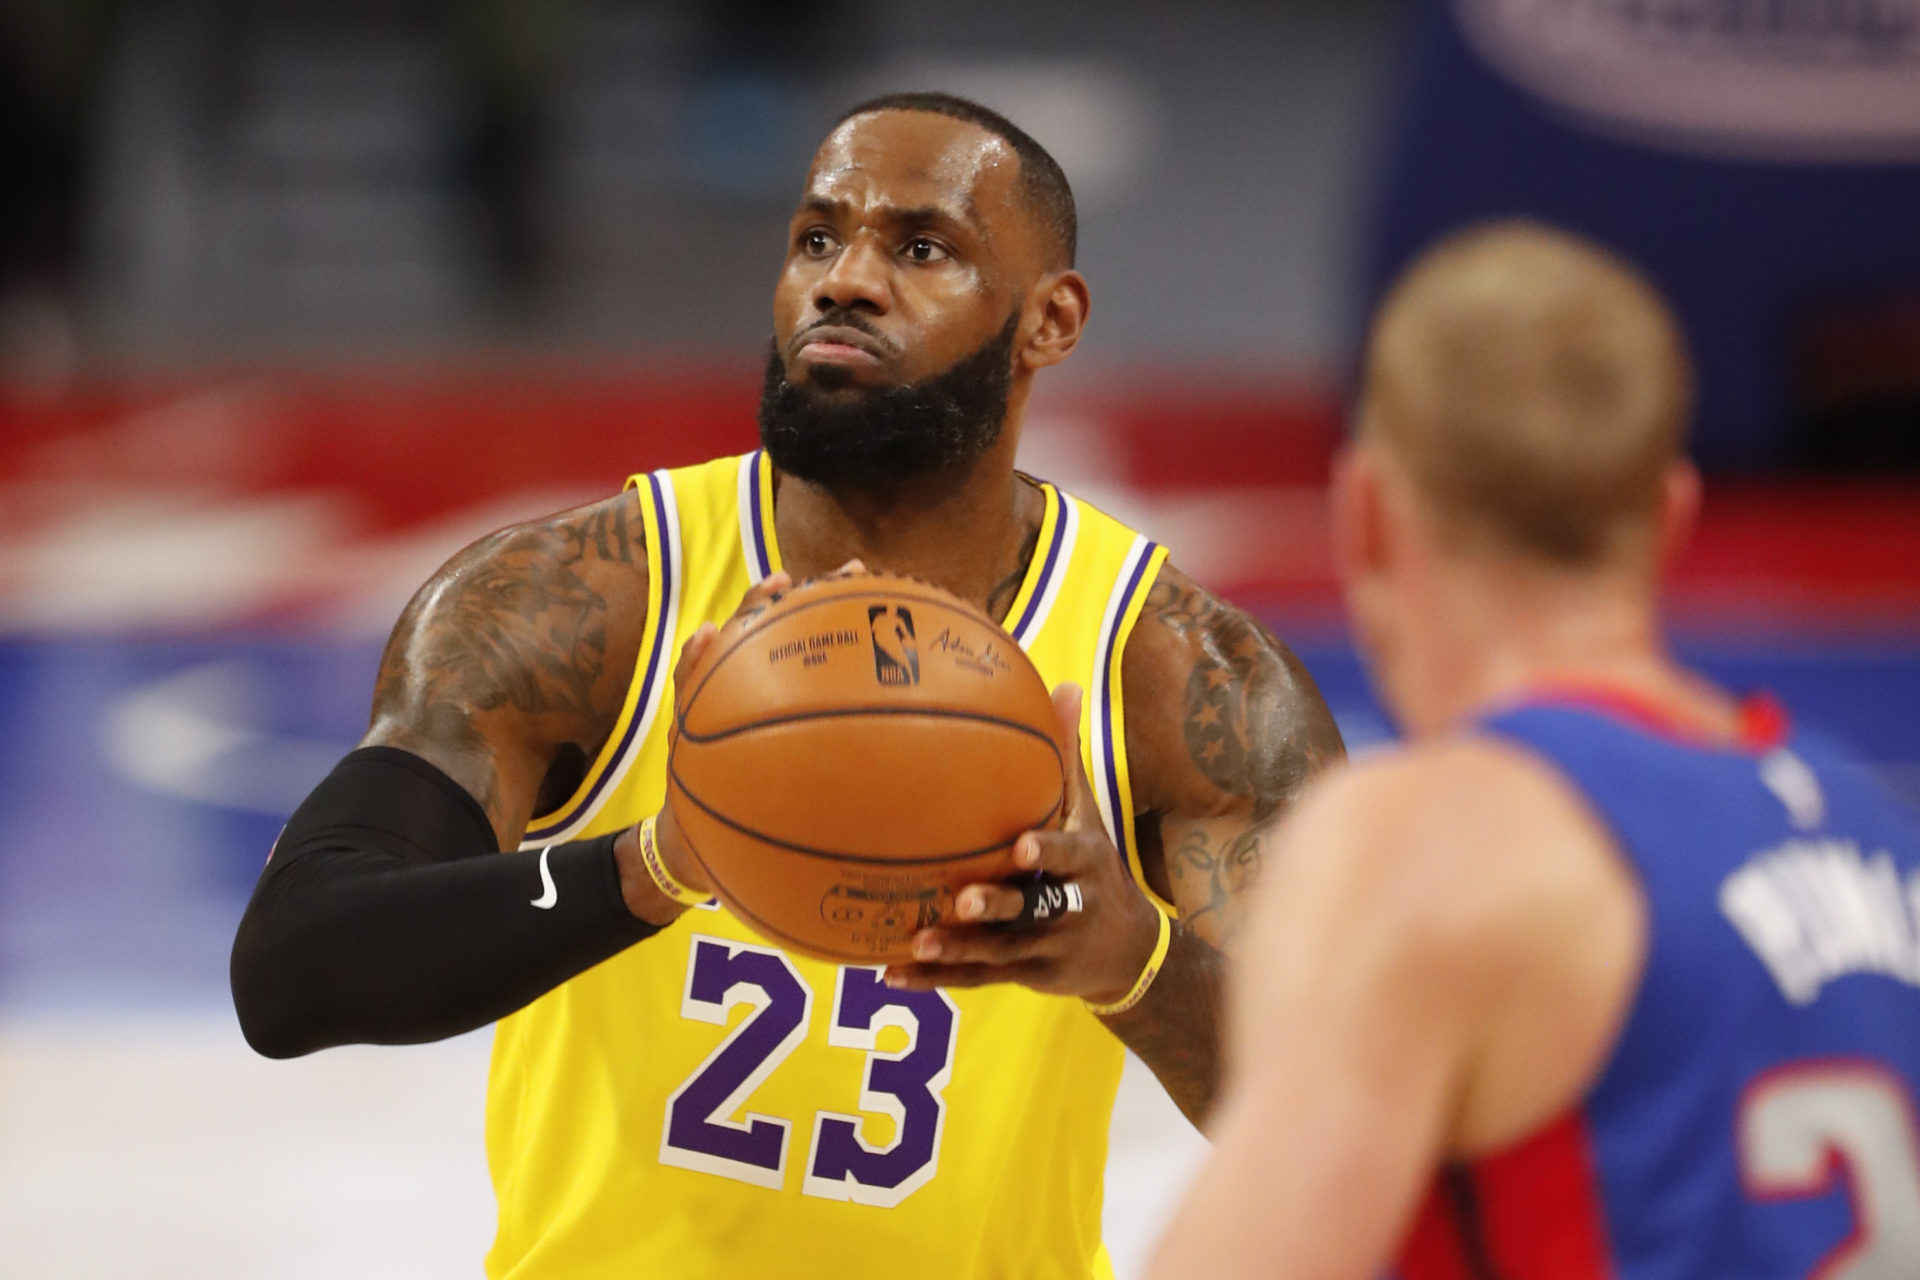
(967, 216)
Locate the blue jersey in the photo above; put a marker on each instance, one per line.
(1757, 1115)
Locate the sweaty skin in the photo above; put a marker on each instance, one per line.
(509, 668)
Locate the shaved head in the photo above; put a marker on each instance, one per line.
(1533, 386)
(1048, 196)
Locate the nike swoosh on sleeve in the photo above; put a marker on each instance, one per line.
(551, 893)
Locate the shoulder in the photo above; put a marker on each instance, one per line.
(1217, 707)
(1468, 880)
(1456, 832)
(605, 533)
(518, 649)
(1448, 928)
(588, 562)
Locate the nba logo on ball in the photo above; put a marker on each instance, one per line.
(943, 751)
(896, 658)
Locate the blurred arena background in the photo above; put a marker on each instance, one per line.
(296, 298)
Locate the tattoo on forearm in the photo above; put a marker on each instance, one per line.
(1249, 729)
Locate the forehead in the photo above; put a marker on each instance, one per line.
(918, 159)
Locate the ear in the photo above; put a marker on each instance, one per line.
(1063, 302)
(1679, 508)
(1356, 514)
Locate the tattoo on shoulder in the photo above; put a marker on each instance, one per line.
(513, 622)
(608, 528)
(1254, 723)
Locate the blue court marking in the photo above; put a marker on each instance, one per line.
(144, 781)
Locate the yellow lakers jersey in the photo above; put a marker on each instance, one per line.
(707, 1105)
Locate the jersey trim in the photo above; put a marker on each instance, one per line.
(1533, 1209)
(756, 515)
(1761, 723)
(1113, 788)
(1059, 530)
(660, 517)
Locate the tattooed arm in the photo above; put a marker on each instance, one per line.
(387, 913)
(1224, 726)
(509, 668)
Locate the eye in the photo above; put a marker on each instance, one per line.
(924, 249)
(816, 242)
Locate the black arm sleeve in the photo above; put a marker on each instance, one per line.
(386, 916)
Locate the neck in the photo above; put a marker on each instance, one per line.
(1488, 634)
(967, 534)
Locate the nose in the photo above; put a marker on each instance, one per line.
(857, 280)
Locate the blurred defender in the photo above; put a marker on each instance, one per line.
(671, 1094)
(1604, 974)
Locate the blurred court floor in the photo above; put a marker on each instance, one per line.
(157, 1146)
(144, 780)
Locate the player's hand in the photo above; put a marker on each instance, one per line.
(643, 899)
(1095, 949)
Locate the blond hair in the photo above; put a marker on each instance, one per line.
(1534, 386)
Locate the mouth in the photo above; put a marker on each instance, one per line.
(840, 346)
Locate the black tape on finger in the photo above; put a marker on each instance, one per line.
(1044, 898)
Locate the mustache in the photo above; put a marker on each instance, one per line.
(889, 434)
(843, 318)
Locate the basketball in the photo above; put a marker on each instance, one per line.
(850, 757)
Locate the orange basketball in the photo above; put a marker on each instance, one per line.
(848, 758)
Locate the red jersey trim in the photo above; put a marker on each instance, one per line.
(1761, 723)
(1530, 1212)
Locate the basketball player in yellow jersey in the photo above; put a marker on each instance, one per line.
(673, 1095)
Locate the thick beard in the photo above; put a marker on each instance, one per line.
(879, 439)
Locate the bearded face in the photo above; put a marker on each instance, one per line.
(840, 434)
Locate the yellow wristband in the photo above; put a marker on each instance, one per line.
(1147, 975)
(657, 870)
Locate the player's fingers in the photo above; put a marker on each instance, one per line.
(1080, 807)
(1044, 900)
(1067, 697)
(690, 652)
(989, 903)
(1031, 900)
(854, 568)
(925, 977)
(998, 947)
(761, 595)
(1064, 855)
(765, 592)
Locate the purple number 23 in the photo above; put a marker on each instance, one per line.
(905, 1086)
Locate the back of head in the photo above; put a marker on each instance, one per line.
(1533, 387)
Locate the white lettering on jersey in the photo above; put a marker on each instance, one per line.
(1815, 910)
(1787, 776)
